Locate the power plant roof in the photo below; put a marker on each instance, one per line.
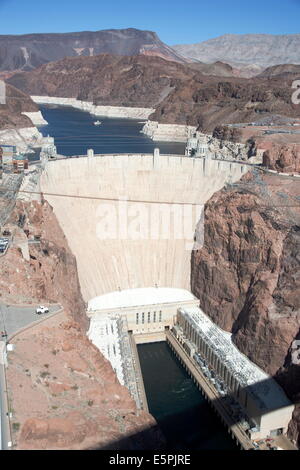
(262, 387)
(141, 296)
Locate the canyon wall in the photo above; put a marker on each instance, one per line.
(282, 157)
(246, 276)
(50, 274)
(179, 93)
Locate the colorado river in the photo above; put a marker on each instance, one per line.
(185, 417)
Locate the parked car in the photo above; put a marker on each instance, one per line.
(41, 309)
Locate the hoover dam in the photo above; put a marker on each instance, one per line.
(130, 219)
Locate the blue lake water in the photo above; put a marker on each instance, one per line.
(74, 133)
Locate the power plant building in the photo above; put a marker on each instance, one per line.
(261, 401)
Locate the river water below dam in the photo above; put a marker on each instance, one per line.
(185, 417)
(74, 132)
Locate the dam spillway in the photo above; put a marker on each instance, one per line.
(90, 192)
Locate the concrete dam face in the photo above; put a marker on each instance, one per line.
(130, 220)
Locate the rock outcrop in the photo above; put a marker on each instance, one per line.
(281, 157)
(50, 275)
(17, 102)
(247, 273)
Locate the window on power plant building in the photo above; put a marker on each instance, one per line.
(154, 317)
(137, 319)
(143, 317)
(160, 315)
(148, 317)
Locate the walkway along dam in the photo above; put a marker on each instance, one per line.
(132, 221)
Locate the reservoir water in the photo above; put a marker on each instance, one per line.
(185, 417)
(74, 132)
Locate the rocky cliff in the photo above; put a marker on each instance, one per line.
(11, 112)
(281, 157)
(180, 94)
(51, 269)
(66, 396)
(247, 273)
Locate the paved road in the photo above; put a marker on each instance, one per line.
(4, 421)
(13, 318)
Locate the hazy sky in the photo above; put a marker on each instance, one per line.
(177, 21)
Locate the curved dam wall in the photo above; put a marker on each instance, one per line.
(124, 245)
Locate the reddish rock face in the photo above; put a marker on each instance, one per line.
(285, 158)
(16, 103)
(51, 273)
(247, 273)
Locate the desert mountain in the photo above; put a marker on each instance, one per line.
(281, 70)
(252, 52)
(219, 69)
(25, 52)
(179, 93)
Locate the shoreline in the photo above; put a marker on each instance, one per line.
(100, 111)
(152, 129)
(168, 132)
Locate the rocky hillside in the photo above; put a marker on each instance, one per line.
(16, 103)
(25, 52)
(282, 70)
(247, 273)
(105, 79)
(67, 396)
(282, 157)
(252, 51)
(50, 275)
(180, 94)
(219, 69)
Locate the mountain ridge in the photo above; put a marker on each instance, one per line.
(28, 51)
(242, 50)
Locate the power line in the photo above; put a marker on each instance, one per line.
(120, 199)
